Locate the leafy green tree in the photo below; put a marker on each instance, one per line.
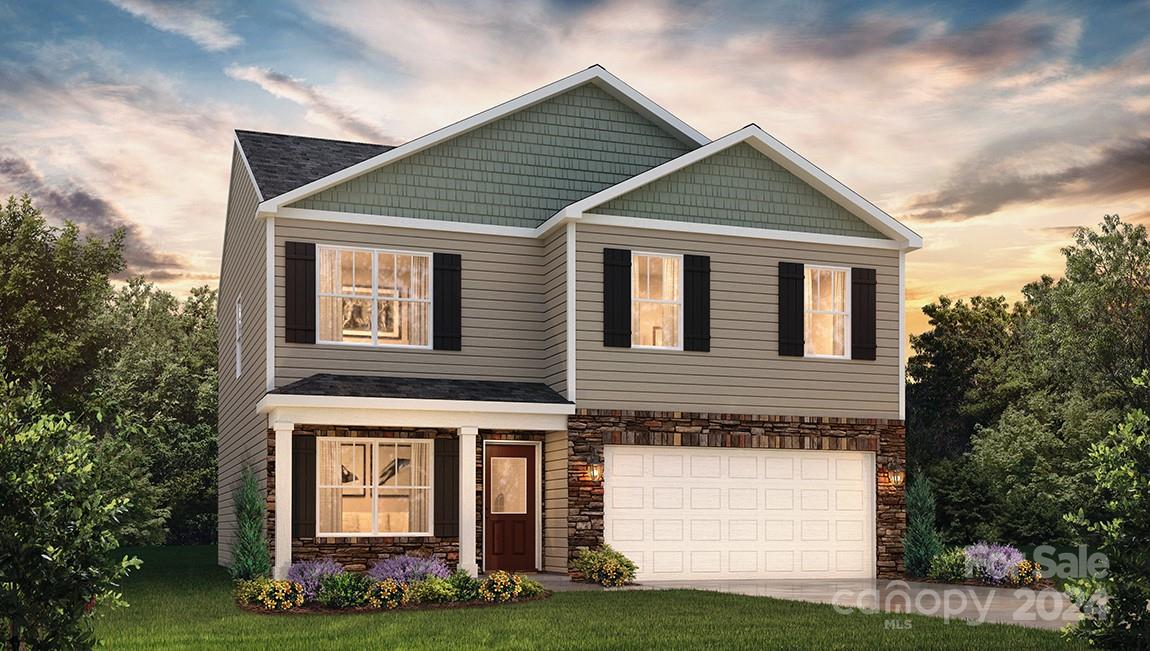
(1116, 602)
(58, 525)
(53, 285)
(250, 558)
(944, 369)
(921, 543)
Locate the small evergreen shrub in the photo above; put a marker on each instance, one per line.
(432, 590)
(530, 588)
(605, 566)
(408, 568)
(949, 566)
(250, 557)
(991, 563)
(501, 586)
(1024, 575)
(344, 590)
(466, 586)
(388, 594)
(310, 573)
(921, 543)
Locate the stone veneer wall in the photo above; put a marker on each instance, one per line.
(358, 553)
(590, 430)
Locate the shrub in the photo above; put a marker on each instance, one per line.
(466, 586)
(530, 588)
(1024, 575)
(279, 594)
(921, 543)
(605, 566)
(991, 563)
(432, 590)
(501, 586)
(250, 553)
(1114, 601)
(246, 591)
(408, 569)
(310, 573)
(344, 590)
(387, 594)
(949, 566)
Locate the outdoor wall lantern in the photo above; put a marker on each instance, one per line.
(896, 475)
(595, 467)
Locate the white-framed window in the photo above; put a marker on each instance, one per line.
(373, 487)
(656, 301)
(826, 318)
(374, 297)
(239, 328)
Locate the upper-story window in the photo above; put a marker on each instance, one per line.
(374, 297)
(656, 301)
(239, 332)
(827, 312)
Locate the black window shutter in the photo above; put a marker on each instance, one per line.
(791, 336)
(447, 301)
(303, 487)
(299, 292)
(863, 314)
(696, 303)
(446, 488)
(617, 298)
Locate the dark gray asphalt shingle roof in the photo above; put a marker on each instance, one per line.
(281, 163)
(366, 386)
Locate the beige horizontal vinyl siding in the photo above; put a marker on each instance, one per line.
(555, 454)
(503, 307)
(743, 372)
(242, 431)
(555, 309)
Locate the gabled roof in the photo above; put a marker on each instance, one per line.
(779, 153)
(595, 74)
(364, 386)
(280, 163)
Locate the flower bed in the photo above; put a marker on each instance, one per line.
(986, 564)
(322, 586)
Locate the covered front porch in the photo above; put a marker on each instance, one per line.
(472, 472)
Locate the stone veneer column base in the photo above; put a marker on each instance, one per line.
(590, 430)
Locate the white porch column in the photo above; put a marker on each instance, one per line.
(467, 561)
(282, 559)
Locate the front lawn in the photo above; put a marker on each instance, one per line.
(180, 600)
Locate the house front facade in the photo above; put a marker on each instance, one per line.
(566, 321)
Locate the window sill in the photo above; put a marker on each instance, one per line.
(374, 535)
(347, 344)
(829, 357)
(668, 349)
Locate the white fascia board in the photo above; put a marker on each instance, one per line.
(595, 74)
(404, 222)
(739, 231)
(776, 151)
(389, 412)
(275, 400)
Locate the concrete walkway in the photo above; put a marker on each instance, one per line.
(1048, 609)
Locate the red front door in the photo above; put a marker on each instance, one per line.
(509, 508)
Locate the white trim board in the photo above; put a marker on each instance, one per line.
(779, 153)
(410, 412)
(595, 74)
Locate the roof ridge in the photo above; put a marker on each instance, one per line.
(293, 135)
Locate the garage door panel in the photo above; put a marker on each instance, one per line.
(701, 513)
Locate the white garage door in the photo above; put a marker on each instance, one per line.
(706, 513)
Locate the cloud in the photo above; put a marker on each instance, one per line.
(319, 107)
(185, 19)
(1119, 170)
(95, 216)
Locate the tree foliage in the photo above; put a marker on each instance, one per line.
(921, 543)
(59, 524)
(1014, 397)
(250, 558)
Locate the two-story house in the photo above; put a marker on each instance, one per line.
(569, 320)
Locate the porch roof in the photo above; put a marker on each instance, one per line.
(369, 386)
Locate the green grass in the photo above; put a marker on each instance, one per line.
(181, 600)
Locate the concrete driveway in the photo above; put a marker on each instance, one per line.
(976, 605)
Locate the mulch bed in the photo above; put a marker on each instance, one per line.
(315, 609)
(1042, 584)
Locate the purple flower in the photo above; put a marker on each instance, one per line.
(408, 569)
(310, 573)
(991, 563)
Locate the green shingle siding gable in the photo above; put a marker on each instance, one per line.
(739, 186)
(517, 171)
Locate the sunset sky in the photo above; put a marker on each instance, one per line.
(990, 128)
